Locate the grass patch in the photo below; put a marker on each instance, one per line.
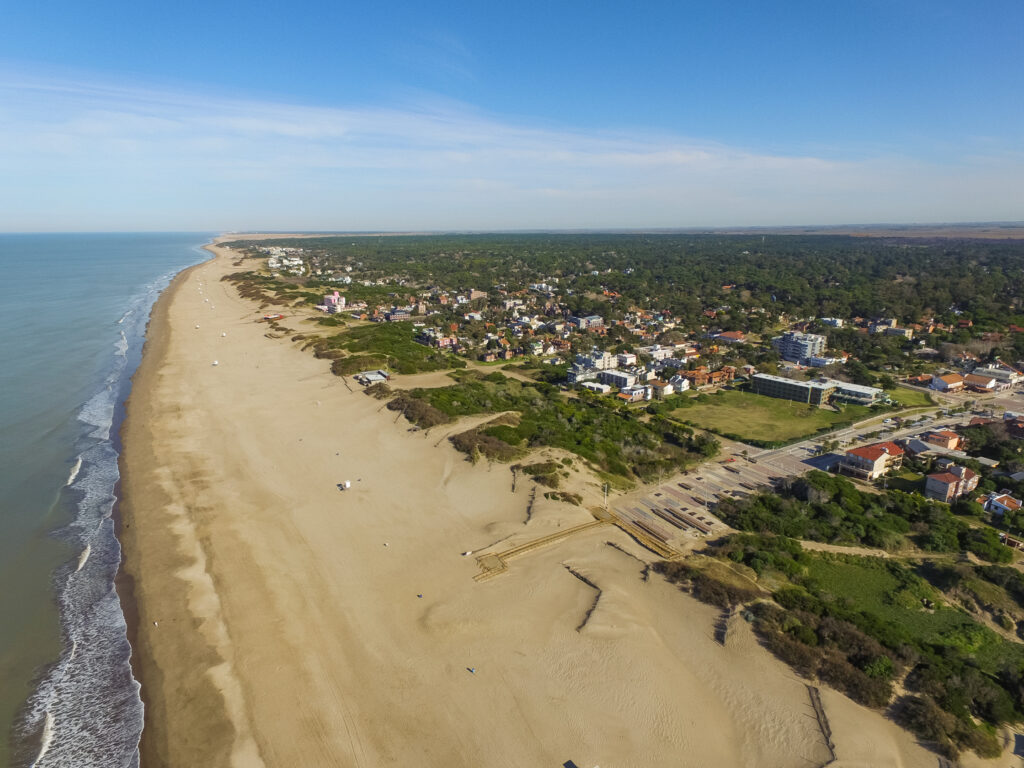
(907, 481)
(749, 417)
(612, 439)
(384, 345)
(910, 398)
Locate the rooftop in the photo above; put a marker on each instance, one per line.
(874, 451)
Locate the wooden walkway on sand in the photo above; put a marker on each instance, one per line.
(495, 563)
(649, 533)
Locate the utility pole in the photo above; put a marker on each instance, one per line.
(606, 497)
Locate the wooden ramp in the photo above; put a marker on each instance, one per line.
(495, 563)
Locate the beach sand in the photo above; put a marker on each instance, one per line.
(283, 622)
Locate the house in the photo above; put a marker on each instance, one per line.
(731, 337)
(334, 303)
(950, 484)
(702, 377)
(593, 386)
(1000, 503)
(915, 447)
(872, 461)
(906, 333)
(632, 395)
(679, 383)
(945, 438)
(1005, 374)
(590, 321)
(372, 377)
(661, 389)
(626, 358)
(977, 383)
(950, 382)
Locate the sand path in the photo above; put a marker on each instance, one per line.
(283, 622)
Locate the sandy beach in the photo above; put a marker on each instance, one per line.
(283, 622)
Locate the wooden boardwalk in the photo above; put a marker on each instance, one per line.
(646, 527)
(495, 563)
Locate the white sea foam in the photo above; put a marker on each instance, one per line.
(45, 740)
(86, 710)
(74, 471)
(84, 557)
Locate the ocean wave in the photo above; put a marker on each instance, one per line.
(84, 557)
(74, 471)
(46, 739)
(86, 709)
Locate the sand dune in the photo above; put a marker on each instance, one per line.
(299, 625)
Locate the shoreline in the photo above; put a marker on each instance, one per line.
(300, 626)
(153, 350)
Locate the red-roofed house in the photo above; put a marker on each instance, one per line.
(1001, 503)
(945, 438)
(950, 382)
(872, 461)
(980, 383)
(950, 484)
(731, 337)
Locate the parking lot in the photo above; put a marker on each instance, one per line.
(682, 508)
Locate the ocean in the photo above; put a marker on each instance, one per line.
(77, 307)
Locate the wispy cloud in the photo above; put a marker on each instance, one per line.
(82, 155)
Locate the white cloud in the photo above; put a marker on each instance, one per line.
(93, 156)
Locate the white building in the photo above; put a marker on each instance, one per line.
(598, 360)
(620, 379)
(679, 384)
(795, 346)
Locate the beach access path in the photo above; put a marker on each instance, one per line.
(283, 622)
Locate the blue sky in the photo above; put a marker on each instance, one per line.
(396, 116)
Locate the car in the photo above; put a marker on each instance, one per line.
(731, 458)
(887, 421)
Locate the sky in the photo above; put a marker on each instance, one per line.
(401, 116)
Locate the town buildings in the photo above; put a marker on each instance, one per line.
(1000, 503)
(951, 483)
(796, 347)
(809, 392)
(870, 462)
(819, 392)
(949, 382)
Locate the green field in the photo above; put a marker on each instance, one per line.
(893, 594)
(906, 481)
(910, 398)
(746, 416)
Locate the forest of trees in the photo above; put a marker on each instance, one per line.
(820, 275)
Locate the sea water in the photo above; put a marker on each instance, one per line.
(75, 308)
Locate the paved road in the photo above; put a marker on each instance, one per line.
(744, 469)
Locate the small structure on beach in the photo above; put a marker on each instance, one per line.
(366, 378)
